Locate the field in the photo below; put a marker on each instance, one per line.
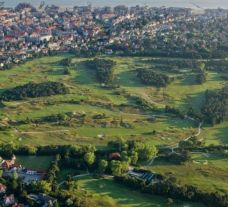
(124, 197)
(116, 104)
(35, 162)
(88, 97)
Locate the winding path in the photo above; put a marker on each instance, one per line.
(175, 146)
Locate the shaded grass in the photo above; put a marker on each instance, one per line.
(126, 197)
(35, 162)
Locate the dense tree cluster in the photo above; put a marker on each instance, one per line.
(8, 149)
(217, 65)
(201, 74)
(66, 62)
(33, 90)
(104, 69)
(178, 158)
(201, 77)
(133, 149)
(215, 108)
(192, 142)
(54, 169)
(151, 77)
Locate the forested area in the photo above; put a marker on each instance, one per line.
(104, 69)
(150, 77)
(33, 90)
(215, 108)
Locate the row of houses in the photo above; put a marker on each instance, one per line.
(26, 31)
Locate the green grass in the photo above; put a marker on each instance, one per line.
(215, 134)
(206, 173)
(35, 162)
(125, 197)
(182, 93)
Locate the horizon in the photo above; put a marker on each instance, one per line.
(194, 4)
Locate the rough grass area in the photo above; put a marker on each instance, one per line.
(206, 171)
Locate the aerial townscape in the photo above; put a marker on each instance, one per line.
(123, 106)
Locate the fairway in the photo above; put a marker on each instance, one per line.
(125, 197)
(88, 97)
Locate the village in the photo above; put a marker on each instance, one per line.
(27, 32)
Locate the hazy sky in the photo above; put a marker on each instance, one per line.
(179, 3)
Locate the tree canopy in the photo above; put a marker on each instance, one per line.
(33, 90)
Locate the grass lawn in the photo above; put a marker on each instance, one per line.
(206, 173)
(125, 197)
(83, 85)
(216, 134)
(35, 162)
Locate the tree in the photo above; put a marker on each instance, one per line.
(42, 186)
(134, 158)
(1, 173)
(66, 71)
(66, 62)
(201, 66)
(170, 201)
(150, 77)
(125, 157)
(118, 167)
(103, 164)
(89, 158)
(33, 90)
(104, 69)
(15, 175)
(14, 184)
(215, 106)
(145, 151)
(69, 202)
(149, 152)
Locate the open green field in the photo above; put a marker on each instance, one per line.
(206, 171)
(125, 197)
(35, 162)
(116, 104)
